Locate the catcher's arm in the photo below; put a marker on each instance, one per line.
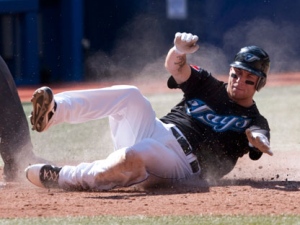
(176, 63)
(259, 140)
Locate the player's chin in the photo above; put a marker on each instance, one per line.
(236, 95)
(239, 93)
(239, 97)
(238, 90)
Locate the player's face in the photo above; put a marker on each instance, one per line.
(241, 86)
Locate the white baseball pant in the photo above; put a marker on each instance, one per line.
(144, 145)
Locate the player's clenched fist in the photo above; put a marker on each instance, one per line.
(259, 141)
(185, 43)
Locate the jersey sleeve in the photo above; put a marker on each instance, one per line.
(254, 153)
(200, 79)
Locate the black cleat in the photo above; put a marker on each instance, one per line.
(42, 175)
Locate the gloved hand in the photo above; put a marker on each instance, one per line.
(185, 43)
(259, 141)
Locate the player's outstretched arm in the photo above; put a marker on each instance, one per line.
(176, 63)
(259, 141)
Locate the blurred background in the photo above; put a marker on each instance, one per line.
(53, 41)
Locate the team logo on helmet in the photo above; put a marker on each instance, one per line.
(250, 57)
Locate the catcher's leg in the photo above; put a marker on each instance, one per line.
(15, 142)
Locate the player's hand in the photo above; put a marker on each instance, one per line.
(185, 43)
(259, 141)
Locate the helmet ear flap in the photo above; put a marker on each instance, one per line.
(261, 82)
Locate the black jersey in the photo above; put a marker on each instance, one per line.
(213, 123)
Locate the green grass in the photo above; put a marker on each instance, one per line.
(281, 106)
(90, 141)
(172, 220)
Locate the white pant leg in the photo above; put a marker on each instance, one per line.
(160, 155)
(130, 114)
(154, 150)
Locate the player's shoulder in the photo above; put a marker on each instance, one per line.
(201, 74)
(199, 70)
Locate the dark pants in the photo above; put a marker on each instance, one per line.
(15, 143)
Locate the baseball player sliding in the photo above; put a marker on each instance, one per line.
(202, 136)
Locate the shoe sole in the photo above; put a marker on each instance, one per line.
(42, 101)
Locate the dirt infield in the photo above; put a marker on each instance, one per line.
(274, 191)
(269, 186)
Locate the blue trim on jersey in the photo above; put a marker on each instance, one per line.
(220, 123)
